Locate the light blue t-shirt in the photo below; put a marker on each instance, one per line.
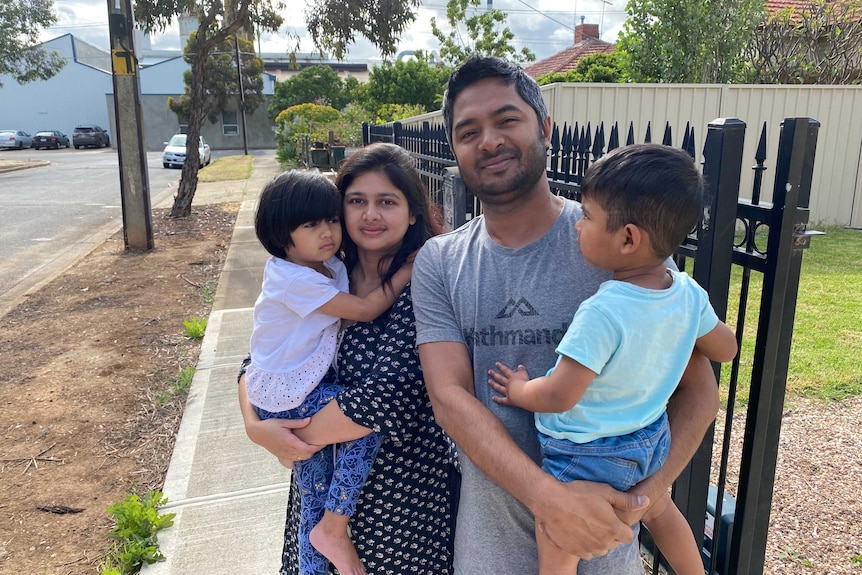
(639, 342)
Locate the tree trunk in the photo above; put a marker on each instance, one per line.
(182, 207)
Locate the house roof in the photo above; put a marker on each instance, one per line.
(775, 5)
(569, 58)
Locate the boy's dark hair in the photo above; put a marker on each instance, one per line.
(399, 168)
(290, 200)
(655, 187)
(476, 68)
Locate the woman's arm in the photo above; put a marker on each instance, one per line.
(388, 392)
(275, 435)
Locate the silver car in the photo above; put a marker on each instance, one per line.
(17, 139)
(175, 152)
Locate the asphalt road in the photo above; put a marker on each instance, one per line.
(52, 215)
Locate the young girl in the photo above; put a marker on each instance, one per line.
(293, 343)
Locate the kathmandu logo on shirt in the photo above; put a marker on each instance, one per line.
(522, 307)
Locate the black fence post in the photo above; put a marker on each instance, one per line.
(454, 199)
(721, 169)
(787, 240)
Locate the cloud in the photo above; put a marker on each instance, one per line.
(545, 26)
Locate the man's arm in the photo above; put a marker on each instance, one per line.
(577, 516)
(691, 410)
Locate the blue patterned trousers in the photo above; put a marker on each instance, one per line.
(331, 479)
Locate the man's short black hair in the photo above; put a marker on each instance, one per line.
(655, 187)
(476, 68)
(290, 200)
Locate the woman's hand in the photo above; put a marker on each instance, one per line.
(275, 435)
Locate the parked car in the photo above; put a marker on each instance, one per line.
(50, 139)
(175, 152)
(15, 139)
(90, 135)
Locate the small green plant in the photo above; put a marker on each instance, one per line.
(856, 560)
(183, 380)
(794, 556)
(137, 523)
(180, 385)
(194, 328)
(208, 292)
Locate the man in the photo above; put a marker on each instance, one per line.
(504, 287)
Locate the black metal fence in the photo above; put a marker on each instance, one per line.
(758, 237)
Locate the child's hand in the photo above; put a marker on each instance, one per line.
(507, 383)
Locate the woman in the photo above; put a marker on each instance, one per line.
(404, 520)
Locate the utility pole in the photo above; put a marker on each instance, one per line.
(134, 178)
(241, 92)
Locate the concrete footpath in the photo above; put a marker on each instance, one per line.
(228, 494)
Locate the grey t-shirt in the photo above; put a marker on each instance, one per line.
(514, 306)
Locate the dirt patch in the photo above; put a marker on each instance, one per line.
(89, 410)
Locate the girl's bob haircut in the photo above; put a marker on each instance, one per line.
(290, 200)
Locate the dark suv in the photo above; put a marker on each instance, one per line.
(90, 136)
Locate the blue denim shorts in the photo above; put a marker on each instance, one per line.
(618, 461)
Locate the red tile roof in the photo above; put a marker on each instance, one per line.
(568, 58)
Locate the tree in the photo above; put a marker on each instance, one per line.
(408, 81)
(699, 41)
(818, 44)
(21, 21)
(222, 87)
(485, 30)
(315, 84)
(216, 28)
(604, 67)
(333, 24)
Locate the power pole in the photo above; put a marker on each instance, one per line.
(134, 178)
(241, 92)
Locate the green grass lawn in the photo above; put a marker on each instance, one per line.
(826, 354)
(227, 168)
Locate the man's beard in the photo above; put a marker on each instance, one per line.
(519, 185)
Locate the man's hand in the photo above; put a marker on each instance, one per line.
(580, 517)
(507, 383)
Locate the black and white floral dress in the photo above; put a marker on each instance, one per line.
(404, 521)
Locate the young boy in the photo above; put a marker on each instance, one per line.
(600, 411)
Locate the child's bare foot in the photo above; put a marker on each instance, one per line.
(331, 539)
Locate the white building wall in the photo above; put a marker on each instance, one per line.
(74, 96)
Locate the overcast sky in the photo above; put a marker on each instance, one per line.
(545, 26)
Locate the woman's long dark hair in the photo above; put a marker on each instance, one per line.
(398, 167)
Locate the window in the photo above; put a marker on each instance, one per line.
(183, 129)
(229, 125)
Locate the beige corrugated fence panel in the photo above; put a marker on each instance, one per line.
(836, 190)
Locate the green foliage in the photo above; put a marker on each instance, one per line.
(183, 380)
(856, 560)
(605, 67)
(819, 43)
(334, 24)
(407, 81)
(315, 85)
(21, 22)
(311, 119)
(221, 88)
(392, 112)
(137, 523)
(482, 32)
(195, 328)
(694, 41)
